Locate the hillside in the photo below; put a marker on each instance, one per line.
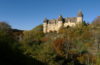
(71, 46)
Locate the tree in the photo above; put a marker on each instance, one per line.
(4, 26)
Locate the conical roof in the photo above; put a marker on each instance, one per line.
(45, 20)
(80, 14)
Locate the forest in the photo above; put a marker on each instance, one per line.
(79, 45)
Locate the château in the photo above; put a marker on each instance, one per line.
(56, 24)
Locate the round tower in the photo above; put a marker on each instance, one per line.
(80, 17)
(45, 25)
(60, 23)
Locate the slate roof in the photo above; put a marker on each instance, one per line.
(52, 21)
(80, 14)
(72, 19)
(60, 18)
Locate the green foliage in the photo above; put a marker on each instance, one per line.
(34, 35)
(71, 46)
(10, 53)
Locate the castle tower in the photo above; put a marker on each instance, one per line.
(80, 17)
(45, 25)
(60, 22)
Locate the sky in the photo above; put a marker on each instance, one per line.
(27, 14)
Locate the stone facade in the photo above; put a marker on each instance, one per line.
(56, 24)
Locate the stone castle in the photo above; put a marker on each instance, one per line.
(55, 24)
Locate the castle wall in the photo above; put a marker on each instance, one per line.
(69, 24)
(51, 27)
